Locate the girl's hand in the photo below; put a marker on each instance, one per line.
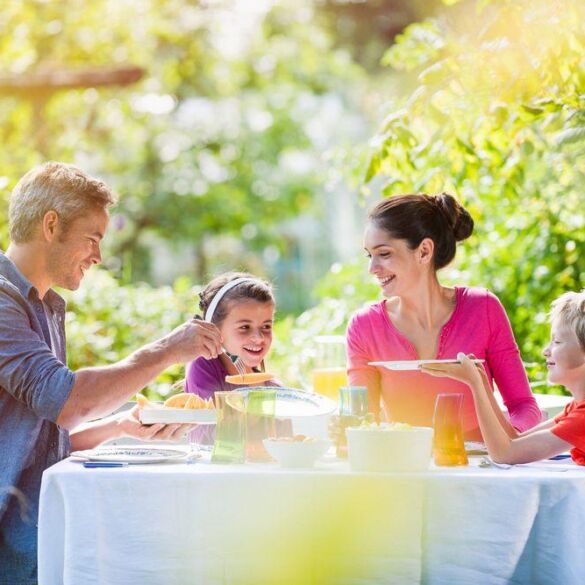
(466, 371)
(130, 426)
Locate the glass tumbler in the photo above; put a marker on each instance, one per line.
(448, 445)
(353, 410)
(260, 423)
(229, 445)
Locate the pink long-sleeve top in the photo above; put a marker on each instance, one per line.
(478, 325)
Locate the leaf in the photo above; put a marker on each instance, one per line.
(531, 110)
(570, 136)
(373, 168)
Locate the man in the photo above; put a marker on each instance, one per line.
(58, 216)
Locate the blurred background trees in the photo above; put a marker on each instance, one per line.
(253, 135)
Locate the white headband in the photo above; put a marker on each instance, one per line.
(221, 292)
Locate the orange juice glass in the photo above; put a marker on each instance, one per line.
(328, 381)
(448, 445)
(329, 370)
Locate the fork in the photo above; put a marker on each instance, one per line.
(238, 363)
(487, 462)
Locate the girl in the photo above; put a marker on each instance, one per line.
(408, 238)
(242, 307)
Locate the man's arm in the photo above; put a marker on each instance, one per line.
(124, 424)
(99, 391)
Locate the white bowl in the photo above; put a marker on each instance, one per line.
(386, 448)
(295, 453)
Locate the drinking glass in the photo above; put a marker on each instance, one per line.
(329, 372)
(260, 423)
(448, 445)
(353, 410)
(229, 445)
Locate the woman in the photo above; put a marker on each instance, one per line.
(409, 238)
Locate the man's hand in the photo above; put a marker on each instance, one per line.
(193, 339)
(130, 426)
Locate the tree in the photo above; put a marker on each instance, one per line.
(496, 114)
(216, 138)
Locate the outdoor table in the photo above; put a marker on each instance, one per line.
(178, 523)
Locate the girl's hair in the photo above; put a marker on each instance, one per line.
(569, 309)
(251, 290)
(414, 217)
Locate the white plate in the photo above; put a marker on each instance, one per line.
(411, 365)
(202, 416)
(292, 403)
(130, 455)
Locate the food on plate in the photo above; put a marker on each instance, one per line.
(252, 378)
(386, 426)
(144, 402)
(295, 439)
(188, 401)
(183, 400)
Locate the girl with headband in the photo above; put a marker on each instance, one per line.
(242, 307)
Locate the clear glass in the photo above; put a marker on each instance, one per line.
(448, 444)
(353, 400)
(353, 410)
(229, 445)
(260, 423)
(329, 372)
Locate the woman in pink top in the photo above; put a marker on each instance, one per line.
(408, 238)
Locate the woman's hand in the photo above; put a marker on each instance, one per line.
(465, 371)
(130, 426)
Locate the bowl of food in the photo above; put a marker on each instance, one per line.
(389, 447)
(297, 451)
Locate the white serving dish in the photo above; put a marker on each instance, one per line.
(291, 403)
(150, 416)
(408, 365)
(385, 448)
(295, 454)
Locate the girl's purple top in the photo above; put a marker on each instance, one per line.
(478, 325)
(205, 377)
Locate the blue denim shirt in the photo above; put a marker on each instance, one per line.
(34, 385)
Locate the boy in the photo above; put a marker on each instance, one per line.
(565, 360)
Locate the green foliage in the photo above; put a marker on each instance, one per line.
(342, 291)
(494, 112)
(497, 115)
(107, 321)
(219, 133)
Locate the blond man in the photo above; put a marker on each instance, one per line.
(58, 216)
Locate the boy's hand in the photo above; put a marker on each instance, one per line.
(466, 371)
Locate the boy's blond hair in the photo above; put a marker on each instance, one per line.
(569, 309)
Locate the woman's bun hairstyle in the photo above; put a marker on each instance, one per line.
(457, 216)
(417, 216)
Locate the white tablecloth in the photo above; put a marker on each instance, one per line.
(174, 524)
